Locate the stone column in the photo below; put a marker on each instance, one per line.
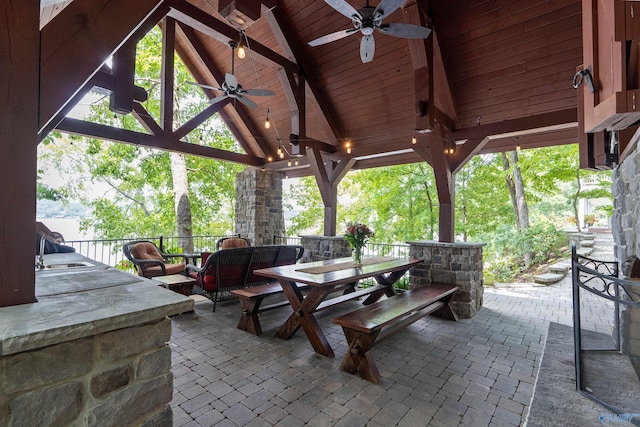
(459, 263)
(625, 227)
(259, 214)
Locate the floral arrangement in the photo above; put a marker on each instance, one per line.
(357, 235)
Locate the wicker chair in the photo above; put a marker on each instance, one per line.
(229, 269)
(149, 261)
(232, 242)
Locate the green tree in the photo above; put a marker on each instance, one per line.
(140, 180)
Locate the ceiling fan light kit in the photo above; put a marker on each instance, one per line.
(367, 19)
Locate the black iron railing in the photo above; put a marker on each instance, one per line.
(599, 344)
(109, 251)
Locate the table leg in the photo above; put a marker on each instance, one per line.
(388, 282)
(303, 308)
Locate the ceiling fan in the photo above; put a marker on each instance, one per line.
(230, 87)
(367, 19)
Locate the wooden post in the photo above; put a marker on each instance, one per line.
(19, 82)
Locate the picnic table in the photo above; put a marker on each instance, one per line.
(322, 278)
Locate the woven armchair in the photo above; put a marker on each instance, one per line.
(150, 262)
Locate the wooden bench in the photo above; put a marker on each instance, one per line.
(251, 305)
(367, 326)
(251, 301)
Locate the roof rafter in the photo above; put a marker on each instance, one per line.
(191, 40)
(77, 42)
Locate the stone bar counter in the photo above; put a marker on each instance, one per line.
(92, 351)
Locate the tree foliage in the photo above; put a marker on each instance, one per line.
(139, 196)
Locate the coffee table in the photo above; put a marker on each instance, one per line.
(177, 283)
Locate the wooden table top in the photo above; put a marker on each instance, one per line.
(175, 279)
(346, 275)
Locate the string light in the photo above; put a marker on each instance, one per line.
(241, 52)
(347, 145)
(270, 159)
(289, 163)
(267, 122)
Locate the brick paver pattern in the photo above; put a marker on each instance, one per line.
(474, 372)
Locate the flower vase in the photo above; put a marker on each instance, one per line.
(357, 255)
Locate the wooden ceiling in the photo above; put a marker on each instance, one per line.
(502, 77)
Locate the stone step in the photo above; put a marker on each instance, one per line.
(584, 251)
(548, 278)
(560, 267)
(586, 243)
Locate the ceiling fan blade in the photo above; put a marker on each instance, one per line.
(408, 31)
(367, 48)
(345, 8)
(332, 37)
(204, 86)
(386, 8)
(217, 99)
(231, 81)
(246, 101)
(258, 92)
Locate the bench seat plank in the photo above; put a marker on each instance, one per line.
(367, 326)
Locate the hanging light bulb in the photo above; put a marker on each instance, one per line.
(296, 163)
(267, 122)
(413, 140)
(347, 145)
(241, 52)
(270, 159)
(289, 163)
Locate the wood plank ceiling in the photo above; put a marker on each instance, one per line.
(502, 73)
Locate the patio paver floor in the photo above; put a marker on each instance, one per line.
(474, 372)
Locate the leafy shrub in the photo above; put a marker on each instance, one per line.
(507, 249)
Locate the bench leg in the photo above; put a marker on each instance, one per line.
(446, 311)
(249, 320)
(358, 357)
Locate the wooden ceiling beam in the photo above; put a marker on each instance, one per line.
(192, 39)
(167, 74)
(312, 93)
(78, 41)
(95, 130)
(530, 124)
(198, 19)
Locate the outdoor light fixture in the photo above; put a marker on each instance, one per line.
(289, 163)
(347, 145)
(413, 138)
(241, 52)
(267, 122)
(270, 159)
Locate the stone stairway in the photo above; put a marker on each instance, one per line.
(598, 242)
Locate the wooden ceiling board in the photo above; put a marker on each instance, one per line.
(503, 59)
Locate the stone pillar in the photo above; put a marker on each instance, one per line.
(259, 214)
(625, 227)
(318, 248)
(459, 263)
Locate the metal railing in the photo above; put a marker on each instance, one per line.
(599, 343)
(109, 251)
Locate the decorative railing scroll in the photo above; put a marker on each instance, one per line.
(600, 278)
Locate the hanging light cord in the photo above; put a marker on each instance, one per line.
(255, 70)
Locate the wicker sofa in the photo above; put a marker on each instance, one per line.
(229, 269)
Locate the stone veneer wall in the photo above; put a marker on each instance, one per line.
(459, 263)
(117, 378)
(318, 248)
(625, 226)
(259, 214)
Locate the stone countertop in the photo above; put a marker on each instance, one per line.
(83, 301)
